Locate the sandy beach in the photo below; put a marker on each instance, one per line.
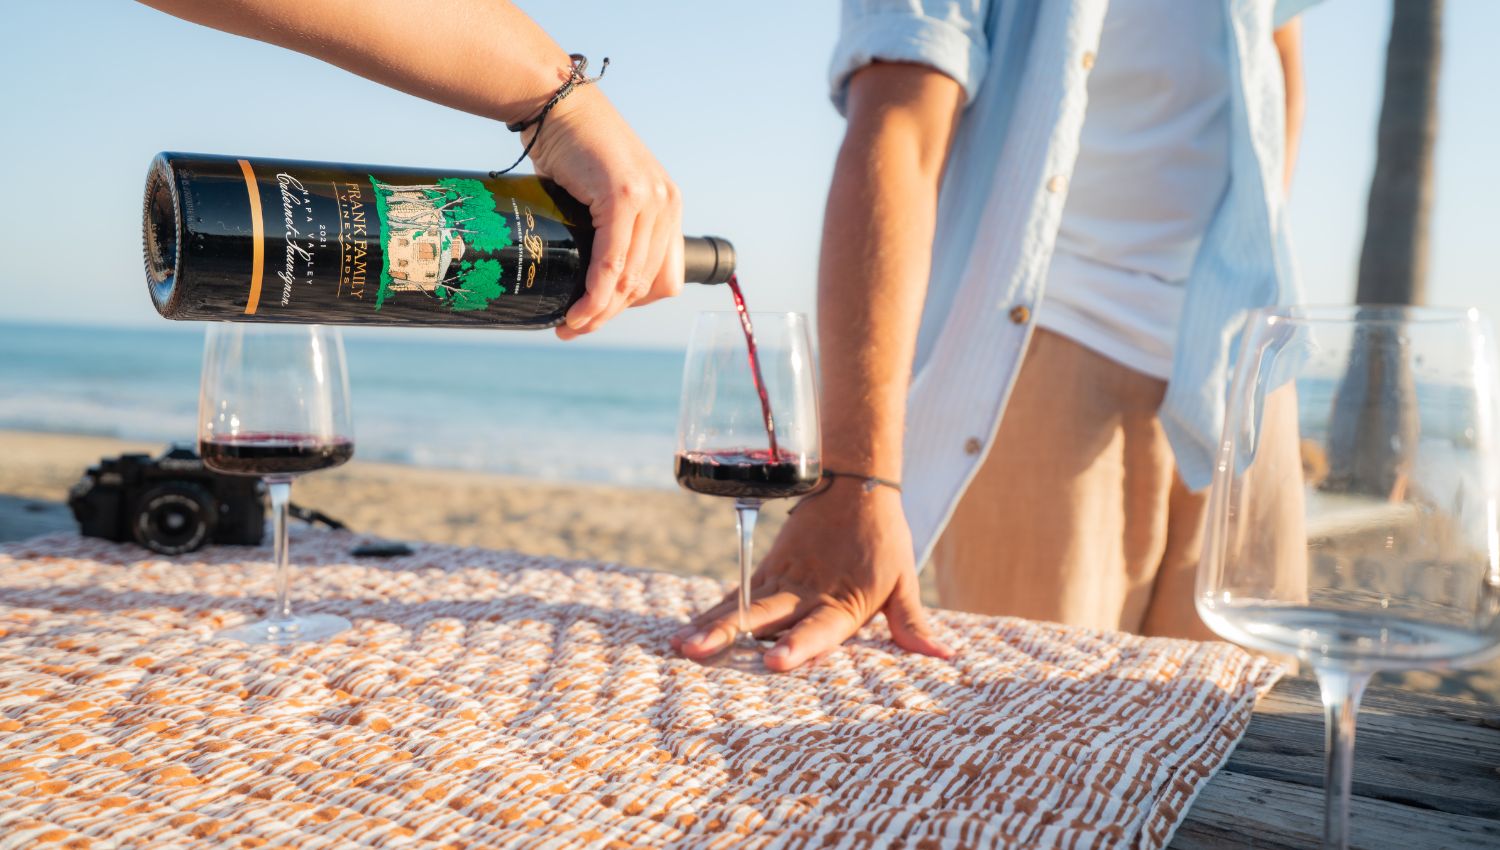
(659, 529)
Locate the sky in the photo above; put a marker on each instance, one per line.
(731, 97)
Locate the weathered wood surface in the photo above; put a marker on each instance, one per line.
(1426, 775)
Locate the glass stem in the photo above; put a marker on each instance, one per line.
(1342, 690)
(281, 498)
(746, 512)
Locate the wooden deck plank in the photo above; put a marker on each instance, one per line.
(1240, 811)
(1426, 775)
(1406, 750)
(1296, 691)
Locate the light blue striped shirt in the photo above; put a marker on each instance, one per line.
(1024, 66)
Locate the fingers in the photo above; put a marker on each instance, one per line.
(822, 630)
(702, 620)
(637, 256)
(631, 285)
(611, 253)
(591, 152)
(666, 256)
(650, 247)
(908, 620)
(715, 629)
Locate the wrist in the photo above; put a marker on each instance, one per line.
(843, 495)
(570, 84)
(869, 465)
(528, 95)
(582, 101)
(868, 482)
(556, 117)
(851, 492)
(862, 441)
(859, 487)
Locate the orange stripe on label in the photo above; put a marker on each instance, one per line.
(258, 239)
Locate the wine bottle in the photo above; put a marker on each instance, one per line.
(264, 240)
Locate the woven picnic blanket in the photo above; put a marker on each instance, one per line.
(489, 699)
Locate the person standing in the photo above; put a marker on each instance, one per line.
(1044, 221)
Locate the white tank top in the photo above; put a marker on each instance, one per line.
(1152, 167)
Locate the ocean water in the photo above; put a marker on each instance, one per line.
(482, 400)
(461, 400)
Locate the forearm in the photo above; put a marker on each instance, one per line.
(1289, 46)
(492, 60)
(877, 236)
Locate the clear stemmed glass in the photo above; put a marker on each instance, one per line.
(725, 442)
(1353, 515)
(274, 402)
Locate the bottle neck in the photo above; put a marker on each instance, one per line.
(707, 259)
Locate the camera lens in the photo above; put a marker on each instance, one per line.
(174, 518)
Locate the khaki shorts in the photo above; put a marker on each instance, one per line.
(1078, 514)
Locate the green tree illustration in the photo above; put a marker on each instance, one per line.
(484, 228)
(467, 209)
(480, 284)
(382, 211)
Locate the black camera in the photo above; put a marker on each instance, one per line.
(171, 504)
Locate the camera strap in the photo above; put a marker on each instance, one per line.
(314, 517)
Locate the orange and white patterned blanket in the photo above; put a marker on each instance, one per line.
(488, 699)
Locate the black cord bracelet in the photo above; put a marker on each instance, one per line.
(577, 76)
(870, 483)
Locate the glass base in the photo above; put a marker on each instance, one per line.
(303, 627)
(744, 654)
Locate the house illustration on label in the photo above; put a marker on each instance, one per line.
(419, 245)
(441, 239)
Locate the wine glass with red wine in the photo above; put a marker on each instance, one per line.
(274, 402)
(748, 429)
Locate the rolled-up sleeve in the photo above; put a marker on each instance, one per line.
(946, 35)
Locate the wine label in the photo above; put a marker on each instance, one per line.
(375, 240)
(445, 239)
(310, 242)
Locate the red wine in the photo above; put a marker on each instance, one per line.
(274, 453)
(262, 240)
(746, 474)
(760, 384)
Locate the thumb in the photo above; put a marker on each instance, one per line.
(908, 620)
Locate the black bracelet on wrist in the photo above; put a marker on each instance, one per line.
(870, 483)
(577, 76)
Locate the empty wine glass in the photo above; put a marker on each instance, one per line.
(1353, 515)
(274, 402)
(748, 428)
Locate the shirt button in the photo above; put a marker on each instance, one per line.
(972, 446)
(1057, 183)
(1020, 314)
(1088, 60)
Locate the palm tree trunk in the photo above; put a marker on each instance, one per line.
(1393, 262)
(1375, 426)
